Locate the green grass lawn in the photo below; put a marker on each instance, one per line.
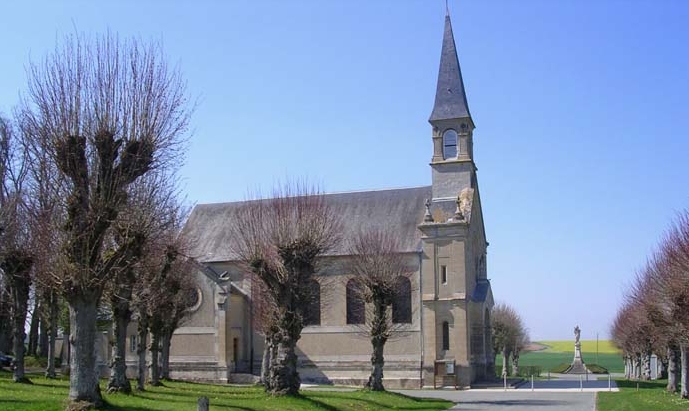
(651, 396)
(50, 395)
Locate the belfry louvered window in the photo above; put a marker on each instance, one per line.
(449, 144)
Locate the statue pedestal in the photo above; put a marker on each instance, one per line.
(578, 366)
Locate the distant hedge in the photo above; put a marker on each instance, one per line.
(596, 369)
(593, 368)
(529, 370)
(524, 370)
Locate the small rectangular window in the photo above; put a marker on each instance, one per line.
(443, 274)
(132, 343)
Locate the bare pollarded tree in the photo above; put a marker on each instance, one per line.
(520, 344)
(381, 278)
(653, 318)
(281, 240)
(173, 292)
(16, 258)
(151, 213)
(45, 205)
(629, 333)
(675, 289)
(508, 331)
(177, 310)
(107, 112)
(263, 318)
(163, 291)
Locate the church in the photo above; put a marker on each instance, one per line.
(445, 327)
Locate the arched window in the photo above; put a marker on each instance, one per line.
(446, 335)
(401, 305)
(355, 304)
(449, 144)
(312, 315)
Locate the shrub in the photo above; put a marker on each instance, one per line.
(498, 370)
(596, 369)
(529, 370)
(40, 362)
(524, 370)
(560, 368)
(35, 362)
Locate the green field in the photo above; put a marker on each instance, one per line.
(587, 346)
(50, 395)
(559, 352)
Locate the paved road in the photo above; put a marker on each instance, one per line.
(511, 400)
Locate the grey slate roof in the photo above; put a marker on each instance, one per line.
(450, 98)
(401, 210)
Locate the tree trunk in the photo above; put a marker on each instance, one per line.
(165, 355)
(83, 376)
(505, 358)
(53, 313)
(646, 366)
(5, 321)
(265, 361)
(378, 331)
(671, 370)
(636, 366)
(142, 337)
(515, 363)
(283, 376)
(43, 335)
(663, 365)
(375, 381)
(121, 315)
(20, 300)
(66, 362)
(33, 331)
(155, 365)
(685, 371)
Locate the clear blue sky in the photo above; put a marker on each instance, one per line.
(582, 113)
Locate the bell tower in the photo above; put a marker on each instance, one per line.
(452, 163)
(455, 291)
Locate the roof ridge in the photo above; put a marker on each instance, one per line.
(325, 194)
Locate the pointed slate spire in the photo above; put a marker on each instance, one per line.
(450, 98)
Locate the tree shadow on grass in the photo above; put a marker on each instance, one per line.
(317, 403)
(380, 402)
(47, 383)
(201, 390)
(520, 402)
(111, 407)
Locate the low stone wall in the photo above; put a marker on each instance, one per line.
(189, 371)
